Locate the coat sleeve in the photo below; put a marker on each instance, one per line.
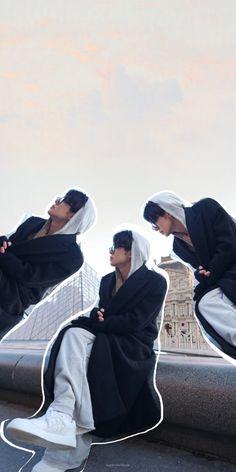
(142, 313)
(41, 274)
(224, 229)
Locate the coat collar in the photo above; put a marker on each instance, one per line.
(127, 291)
(30, 226)
(47, 244)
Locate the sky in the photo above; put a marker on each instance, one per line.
(122, 98)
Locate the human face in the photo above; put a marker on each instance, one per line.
(60, 210)
(119, 257)
(164, 224)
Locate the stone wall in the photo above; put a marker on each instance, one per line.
(180, 329)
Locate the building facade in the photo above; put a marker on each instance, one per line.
(180, 329)
(75, 296)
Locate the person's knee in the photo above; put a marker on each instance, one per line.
(203, 303)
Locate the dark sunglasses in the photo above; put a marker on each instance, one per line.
(60, 200)
(114, 247)
(155, 227)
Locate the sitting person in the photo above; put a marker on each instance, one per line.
(205, 237)
(41, 253)
(100, 366)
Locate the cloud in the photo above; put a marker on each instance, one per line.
(8, 74)
(6, 117)
(82, 51)
(129, 99)
(205, 69)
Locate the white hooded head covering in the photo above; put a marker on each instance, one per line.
(82, 220)
(140, 249)
(172, 204)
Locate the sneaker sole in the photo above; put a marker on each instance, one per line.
(44, 439)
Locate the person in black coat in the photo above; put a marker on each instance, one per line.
(118, 395)
(40, 254)
(204, 237)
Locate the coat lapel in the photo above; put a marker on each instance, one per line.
(133, 285)
(194, 226)
(46, 245)
(107, 288)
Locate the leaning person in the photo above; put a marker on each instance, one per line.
(115, 396)
(205, 237)
(40, 254)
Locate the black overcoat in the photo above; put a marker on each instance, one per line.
(213, 234)
(122, 360)
(29, 267)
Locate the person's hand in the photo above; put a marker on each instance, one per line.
(203, 271)
(5, 245)
(101, 314)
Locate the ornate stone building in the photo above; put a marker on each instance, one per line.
(78, 293)
(180, 329)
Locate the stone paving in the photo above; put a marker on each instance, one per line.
(132, 455)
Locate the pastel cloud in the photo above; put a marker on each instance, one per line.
(8, 74)
(8, 117)
(118, 94)
(129, 99)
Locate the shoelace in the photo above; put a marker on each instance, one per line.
(56, 420)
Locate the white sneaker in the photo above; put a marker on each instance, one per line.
(53, 428)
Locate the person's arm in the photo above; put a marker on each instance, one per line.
(6, 240)
(43, 274)
(93, 314)
(139, 316)
(225, 236)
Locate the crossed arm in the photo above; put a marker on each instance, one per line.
(134, 319)
(4, 244)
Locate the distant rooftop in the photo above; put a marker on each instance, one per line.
(168, 263)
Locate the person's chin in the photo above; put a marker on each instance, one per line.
(166, 233)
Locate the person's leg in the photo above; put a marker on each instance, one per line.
(220, 313)
(71, 389)
(71, 411)
(56, 460)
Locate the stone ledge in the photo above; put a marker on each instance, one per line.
(197, 441)
(198, 395)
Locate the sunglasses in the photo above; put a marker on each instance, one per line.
(113, 248)
(155, 227)
(60, 200)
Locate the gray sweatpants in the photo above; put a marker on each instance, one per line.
(72, 395)
(220, 313)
